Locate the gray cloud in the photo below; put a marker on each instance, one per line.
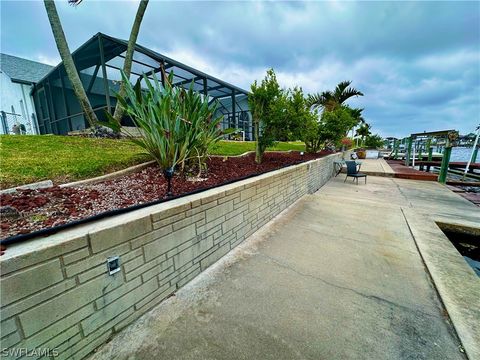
(418, 63)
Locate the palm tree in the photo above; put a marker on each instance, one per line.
(330, 100)
(363, 131)
(68, 63)
(127, 65)
(356, 114)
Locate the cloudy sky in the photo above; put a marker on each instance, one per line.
(418, 63)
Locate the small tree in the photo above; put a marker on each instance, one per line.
(298, 114)
(374, 141)
(328, 130)
(265, 104)
(363, 131)
(310, 136)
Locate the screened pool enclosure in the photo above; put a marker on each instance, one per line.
(99, 62)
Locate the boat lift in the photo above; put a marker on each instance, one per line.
(444, 140)
(473, 157)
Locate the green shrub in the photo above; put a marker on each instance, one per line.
(265, 102)
(328, 130)
(176, 125)
(374, 141)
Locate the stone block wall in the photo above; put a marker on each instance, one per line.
(56, 293)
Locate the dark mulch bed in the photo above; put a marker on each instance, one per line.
(46, 208)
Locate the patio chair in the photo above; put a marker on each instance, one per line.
(352, 171)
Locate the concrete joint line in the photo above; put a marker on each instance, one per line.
(427, 271)
(402, 193)
(367, 296)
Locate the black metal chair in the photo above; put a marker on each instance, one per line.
(353, 171)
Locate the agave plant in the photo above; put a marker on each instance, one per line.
(176, 125)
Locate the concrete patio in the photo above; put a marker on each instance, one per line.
(339, 275)
(377, 167)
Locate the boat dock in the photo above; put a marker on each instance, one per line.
(393, 169)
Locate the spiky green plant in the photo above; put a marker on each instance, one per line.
(176, 125)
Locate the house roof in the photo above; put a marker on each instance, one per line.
(23, 70)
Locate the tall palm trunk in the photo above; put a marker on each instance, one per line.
(127, 65)
(68, 63)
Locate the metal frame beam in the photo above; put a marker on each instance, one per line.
(137, 61)
(222, 96)
(104, 72)
(234, 118)
(65, 103)
(205, 87)
(218, 87)
(50, 105)
(92, 81)
(161, 58)
(117, 68)
(156, 70)
(187, 81)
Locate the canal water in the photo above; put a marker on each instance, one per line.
(468, 246)
(460, 154)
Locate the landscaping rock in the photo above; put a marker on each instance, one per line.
(9, 212)
(33, 186)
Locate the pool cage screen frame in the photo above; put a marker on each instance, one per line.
(99, 62)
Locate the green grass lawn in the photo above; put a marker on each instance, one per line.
(26, 159)
(230, 148)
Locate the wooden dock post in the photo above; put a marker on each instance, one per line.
(452, 138)
(408, 153)
(395, 148)
(442, 177)
(429, 148)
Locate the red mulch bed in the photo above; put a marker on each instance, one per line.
(46, 208)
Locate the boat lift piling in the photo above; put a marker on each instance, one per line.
(474, 154)
(396, 144)
(420, 142)
(408, 152)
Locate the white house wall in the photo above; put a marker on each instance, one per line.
(18, 96)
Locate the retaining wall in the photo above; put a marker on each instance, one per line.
(56, 292)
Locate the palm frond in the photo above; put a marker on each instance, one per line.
(344, 91)
(340, 88)
(324, 100)
(347, 94)
(314, 100)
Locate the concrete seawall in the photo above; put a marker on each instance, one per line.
(56, 292)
